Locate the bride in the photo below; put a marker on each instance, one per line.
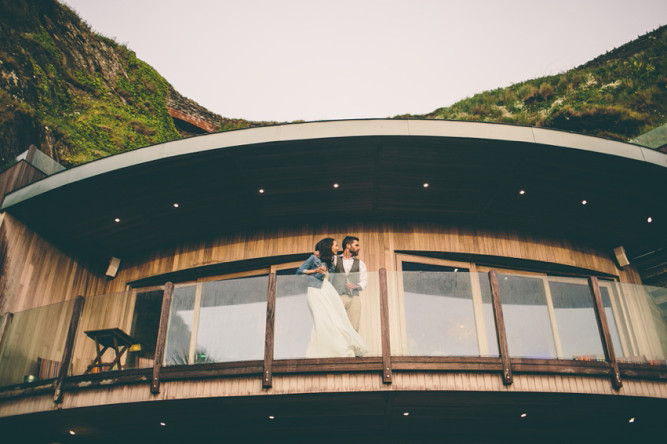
(332, 334)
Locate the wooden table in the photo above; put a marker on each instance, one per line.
(113, 338)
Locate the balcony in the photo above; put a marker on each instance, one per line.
(494, 322)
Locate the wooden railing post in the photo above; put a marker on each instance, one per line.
(4, 326)
(161, 337)
(500, 328)
(69, 348)
(607, 345)
(267, 375)
(384, 328)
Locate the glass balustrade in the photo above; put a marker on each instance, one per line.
(430, 313)
(311, 320)
(440, 314)
(34, 343)
(640, 314)
(218, 321)
(115, 325)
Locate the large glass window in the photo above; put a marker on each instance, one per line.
(445, 313)
(527, 315)
(578, 333)
(232, 320)
(220, 319)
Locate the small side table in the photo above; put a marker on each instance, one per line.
(113, 338)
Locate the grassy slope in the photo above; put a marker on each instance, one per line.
(618, 95)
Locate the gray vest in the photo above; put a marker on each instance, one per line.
(339, 278)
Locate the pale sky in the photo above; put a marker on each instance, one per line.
(288, 60)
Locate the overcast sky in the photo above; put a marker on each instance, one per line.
(287, 60)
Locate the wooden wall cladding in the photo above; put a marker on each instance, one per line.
(35, 273)
(378, 244)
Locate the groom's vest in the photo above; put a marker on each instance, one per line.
(339, 278)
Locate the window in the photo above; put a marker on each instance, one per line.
(444, 313)
(218, 319)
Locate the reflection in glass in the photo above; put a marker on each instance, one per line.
(575, 317)
(293, 320)
(232, 320)
(439, 315)
(529, 333)
(181, 318)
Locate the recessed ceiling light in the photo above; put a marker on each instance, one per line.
(176, 205)
(336, 185)
(116, 220)
(425, 185)
(522, 192)
(261, 191)
(584, 202)
(523, 415)
(72, 432)
(163, 424)
(272, 417)
(406, 413)
(631, 420)
(649, 220)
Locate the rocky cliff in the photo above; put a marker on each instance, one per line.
(80, 96)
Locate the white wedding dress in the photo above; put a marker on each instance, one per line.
(332, 335)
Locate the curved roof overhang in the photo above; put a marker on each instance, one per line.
(474, 170)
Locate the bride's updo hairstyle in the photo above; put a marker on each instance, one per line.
(324, 247)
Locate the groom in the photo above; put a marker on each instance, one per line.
(349, 277)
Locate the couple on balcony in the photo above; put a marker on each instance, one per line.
(333, 298)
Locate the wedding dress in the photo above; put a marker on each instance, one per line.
(332, 335)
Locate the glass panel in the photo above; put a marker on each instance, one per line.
(526, 314)
(34, 344)
(578, 330)
(439, 314)
(644, 315)
(232, 320)
(312, 322)
(611, 321)
(179, 334)
(105, 317)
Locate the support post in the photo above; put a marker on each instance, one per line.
(69, 348)
(607, 345)
(384, 328)
(500, 328)
(161, 337)
(4, 326)
(267, 375)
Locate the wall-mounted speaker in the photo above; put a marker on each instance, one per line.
(621, 258)
(114, 263)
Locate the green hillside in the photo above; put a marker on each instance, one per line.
(78, 95)
(618, 95)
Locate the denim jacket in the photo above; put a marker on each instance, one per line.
(313, 262)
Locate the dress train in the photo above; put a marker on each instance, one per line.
(332, 335)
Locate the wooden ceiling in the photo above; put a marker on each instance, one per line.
(471, 181)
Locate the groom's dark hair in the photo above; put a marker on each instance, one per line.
(349, 240)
